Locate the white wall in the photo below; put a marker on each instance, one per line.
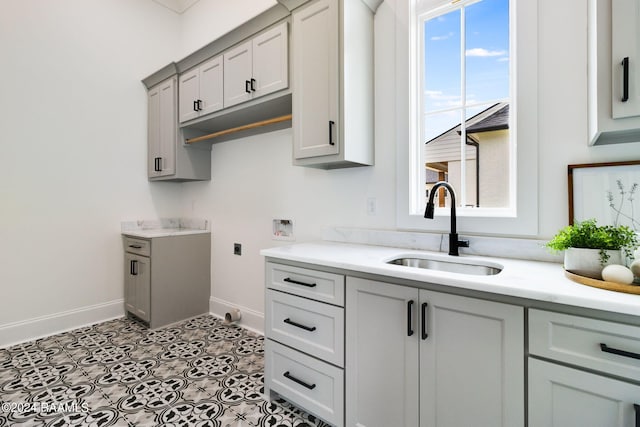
(73, 147)
(72, 115)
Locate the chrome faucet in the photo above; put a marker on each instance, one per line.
(454, 243)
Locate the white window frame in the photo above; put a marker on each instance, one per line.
(522, 219)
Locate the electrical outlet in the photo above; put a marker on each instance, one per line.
(237, 249)
(372, 206)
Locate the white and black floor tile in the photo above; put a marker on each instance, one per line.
(200, 372)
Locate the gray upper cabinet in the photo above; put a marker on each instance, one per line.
(614, 71)
(169, 158)
(201, 90)
(333, 84)
(162, 129)
(257, 67)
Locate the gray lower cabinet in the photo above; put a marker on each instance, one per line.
(600, 388)
(167, 279)
(304, 346)
(418, 357)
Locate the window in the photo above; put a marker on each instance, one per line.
(464, 101)
(467, 72)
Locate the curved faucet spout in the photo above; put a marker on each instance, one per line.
(454, 243)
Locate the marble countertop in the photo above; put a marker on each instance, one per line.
(163, 232)
(535, 280)
(148, 229)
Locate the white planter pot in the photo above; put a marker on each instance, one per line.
(586, 262)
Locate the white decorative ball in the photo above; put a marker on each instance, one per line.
(635, 267)
(617, 274)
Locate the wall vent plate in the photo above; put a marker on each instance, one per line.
(282, 229)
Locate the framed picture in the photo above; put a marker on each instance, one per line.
(608, 192)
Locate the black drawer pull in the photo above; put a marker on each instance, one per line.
(298, 325)
(135, 246)
(607, 349)
(625, 79)
(425, 335)
(295, 380)
(295, 282)
(409, 318)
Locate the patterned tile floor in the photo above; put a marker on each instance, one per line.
(200, 372)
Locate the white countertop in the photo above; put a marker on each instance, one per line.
(163, 232)
(542, 281)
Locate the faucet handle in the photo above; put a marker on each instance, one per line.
(463, 243)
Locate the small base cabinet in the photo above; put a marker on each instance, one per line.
(417, 357)
(593, 394)
(167, 279)
(304, 346)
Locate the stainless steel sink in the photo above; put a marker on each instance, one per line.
(448, 266)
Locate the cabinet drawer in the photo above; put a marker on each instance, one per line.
(608, 347)
(309, 326)
(317, 285)
(310, 383)
(137, 246)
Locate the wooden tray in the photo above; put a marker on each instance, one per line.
(610, 286)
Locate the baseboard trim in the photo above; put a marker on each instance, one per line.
(39, 327)
(251, 319)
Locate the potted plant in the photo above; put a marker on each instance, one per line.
(589, 247)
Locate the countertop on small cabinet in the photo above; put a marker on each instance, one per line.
(163, 232)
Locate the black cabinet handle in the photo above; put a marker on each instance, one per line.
(135, 246)
(157, 165)
(195, 105)
(133, 267)
(199, 104)
(295, 380)
(298, 325)
(608, 349)
(246, 86)
(253, 83)
(625, 79)
(295, 282)
(409, 318)
(425, 335)
(636, 408)
(331, 124)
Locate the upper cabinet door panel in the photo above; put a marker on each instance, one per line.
(237, 73)
(168, 127)
(625, 58)
(189, 92)
(153, 130)
(315, 53)
(271, 61)
(211, 86)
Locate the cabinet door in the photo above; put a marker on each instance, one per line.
(315, 54)
(162, 129)
(471, 362)
(189, 95)
(381, 354)
(211, 86)
(237, 75)
(138, 286)
(271, 61)
(565, 397)
(625, 31)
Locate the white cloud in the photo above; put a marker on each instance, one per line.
(446, 36)
(503, 59)
(481, 52)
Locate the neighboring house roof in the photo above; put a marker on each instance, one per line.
(495, 117)
(498, 120)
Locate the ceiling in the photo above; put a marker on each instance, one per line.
(178, 6)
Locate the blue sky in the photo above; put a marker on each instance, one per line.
(487, 60)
